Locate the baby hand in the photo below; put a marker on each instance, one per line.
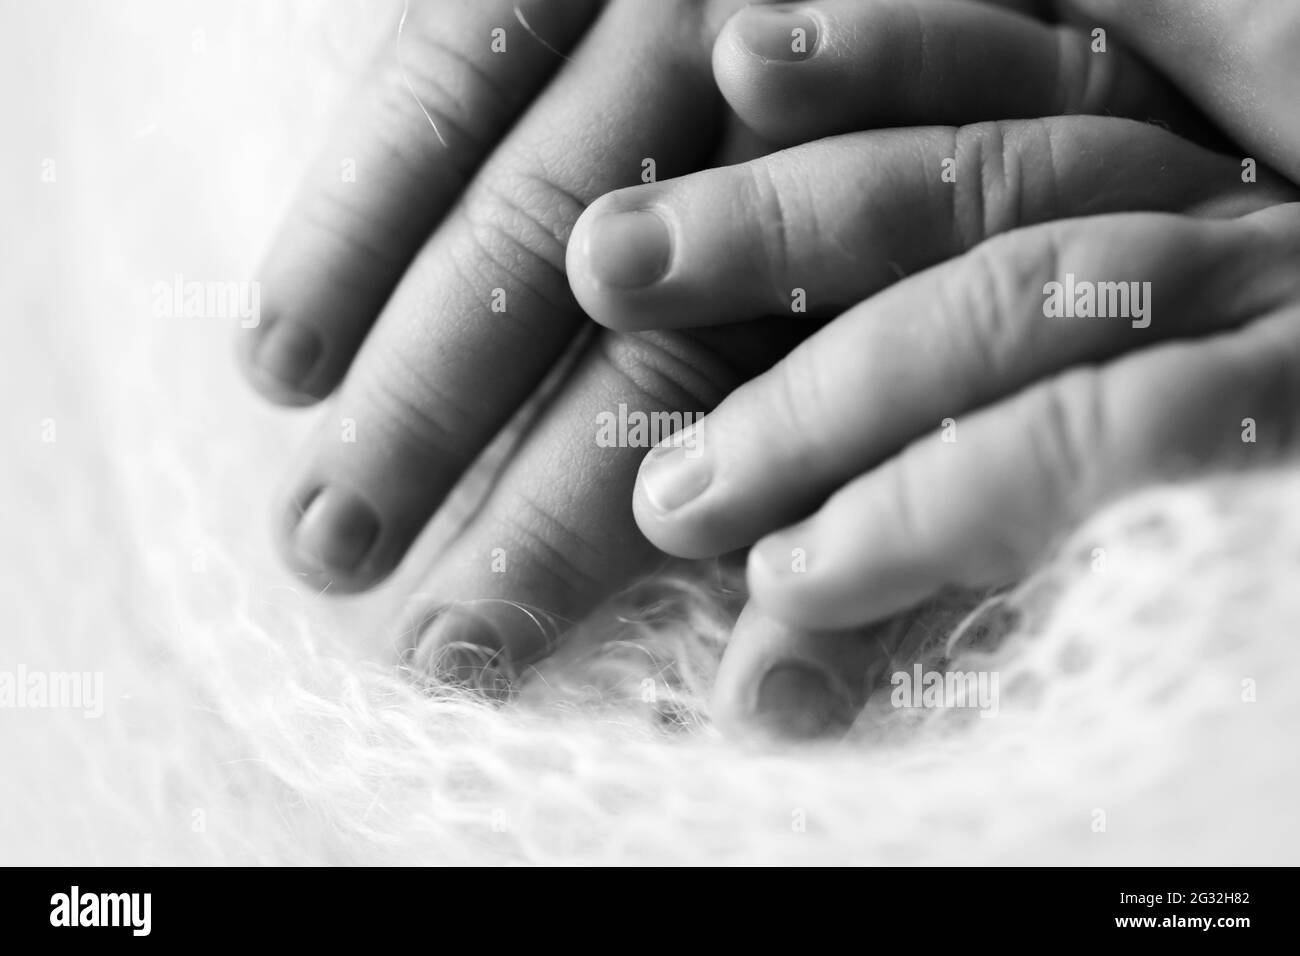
(1051, 416)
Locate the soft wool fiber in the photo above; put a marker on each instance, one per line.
(247, 720)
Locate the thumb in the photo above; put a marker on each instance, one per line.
(1232, 57)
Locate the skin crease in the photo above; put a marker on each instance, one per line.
(570, 548)
(761, 641)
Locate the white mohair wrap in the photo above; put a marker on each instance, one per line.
(1146, 710)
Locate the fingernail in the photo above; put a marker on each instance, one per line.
(672, 478)
(629, 250)
(289, 352)
(471, 667)
(336, 531)
(459, 648)
(774, 33)
(798, 701)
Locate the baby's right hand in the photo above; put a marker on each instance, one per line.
(961, 339)
(840, 218)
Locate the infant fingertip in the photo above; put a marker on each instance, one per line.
(279, 359)
(778, 684)
(756, 65)
(614, 254)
